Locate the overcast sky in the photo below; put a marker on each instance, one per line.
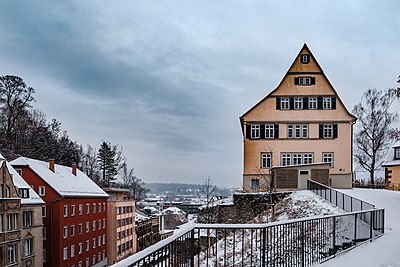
(168, 80)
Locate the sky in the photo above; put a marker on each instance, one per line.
(168, 80)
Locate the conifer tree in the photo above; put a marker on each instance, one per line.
(108, 158)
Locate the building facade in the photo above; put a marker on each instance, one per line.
(392, 168)
(74, 215)
(121, 234)
(302, 121)
(21, 227)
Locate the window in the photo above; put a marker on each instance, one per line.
(94, 226)
(99, 224)
(255, 183)
(93, 259)
(305, 58)
(94, 242)
(297, 159)
(285, 103)
(397, 153)
(72, 230)
(23, 193)
(104, 239)
(12, 254)
(87, 262)
(42, 191)
(73, 210)
(65, 232)
(286, 159)
(304, 172)
(312, 103)
(80, 264)
(44, 255)
(19, 171)
(87, 245)
(27, 218)
(104, 223)
(80, 208)
(72, 251)
(304, 81)
(326, 103)
(327, 157)
(297, 131)
(87, 227)
(80, 248)
(44, 211)
(308, 158)
(87, 208)
(328, 131)
(11, 221)
(65, 210)
(99, 256)
(266, 160)
(104, 207)
(298, 103)
(94, 207)
(65, 253)
(80, 229)
(255, 131)
(99, 241)
(28, 247)
(269, 131)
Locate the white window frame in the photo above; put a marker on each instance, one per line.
(65, 253)
(308, 158)
(94, 208)
(297, 159)
(80, 229)
(326, 103)
(297, 131)
(72, 251)
(72, 230)
(269, 131)
(65, 209)
(305, 58)
(104, 223)
(87, 245)
(72, 209)
(266, 160)
(328, 157)
(94, 226)
(87, 208)
(87, 227)
(65, 232)
(286, 159)
(285, 103)
(80, 209)
(27, 218)
(397, 153)
(12, 253)
(104, 239)
(328, 130)
(304, 80)
(255, 131)
(312, 103)
(94, 242)
(80, 248)
(298, 103)
(99, 241)
(42, 190)
(28, 246)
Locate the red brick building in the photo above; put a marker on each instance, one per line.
(74, 216)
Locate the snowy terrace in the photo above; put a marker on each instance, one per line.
(307, 230)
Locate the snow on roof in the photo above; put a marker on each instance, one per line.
(173, 210)
(390, 161)
(21, 183)
(62, 179)
(139, 216)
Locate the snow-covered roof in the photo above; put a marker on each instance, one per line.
(62, 180)
(390, 161)
(20, 183)
(140, 216)
(173, 210)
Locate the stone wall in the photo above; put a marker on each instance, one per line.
(245, 207)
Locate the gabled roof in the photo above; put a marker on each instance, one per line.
(62, 180)
(320, 71)
(20, 183)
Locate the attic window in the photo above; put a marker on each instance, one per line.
(397, 153)
(304, 80)
(305, 58)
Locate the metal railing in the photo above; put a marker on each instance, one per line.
(301, 242)
(343, 201)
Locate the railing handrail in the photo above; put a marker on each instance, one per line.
(330, 188)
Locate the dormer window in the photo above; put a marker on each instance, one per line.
(397, 153)
(304, 80)
(305, 58)
(23, 193)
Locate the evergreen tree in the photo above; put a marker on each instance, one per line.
(108, 161)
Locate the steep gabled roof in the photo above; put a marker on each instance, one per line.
(290, 71)
(62, 180)
(20, 183)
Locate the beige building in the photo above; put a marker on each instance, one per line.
(302, 121)
(21, 227)
(392, 168)
(121, 235)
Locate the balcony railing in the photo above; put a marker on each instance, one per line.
(300, 242)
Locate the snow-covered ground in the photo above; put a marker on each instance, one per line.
(384, 251)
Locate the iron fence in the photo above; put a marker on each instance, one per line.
(301, 242)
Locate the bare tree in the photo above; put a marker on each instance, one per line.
(207, 190)
(133, 183)
(373, 137)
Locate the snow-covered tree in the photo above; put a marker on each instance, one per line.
(109, 158)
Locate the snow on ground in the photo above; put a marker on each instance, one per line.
(384, 251)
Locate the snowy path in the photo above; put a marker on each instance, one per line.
(384, 251)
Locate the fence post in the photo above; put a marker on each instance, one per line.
(371, 224)
(264, 251)
(192, 248)
(355, 228)
(334, 233)
(303, 256)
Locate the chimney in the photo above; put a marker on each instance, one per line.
(74, 169)
(51, 165)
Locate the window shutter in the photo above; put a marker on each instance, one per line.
(333, 102)
(291, 101)
(312, 80)
(276, 131)
(296, 80)
(278, 103)
(305, 102)
(262, 131)
(321, 131)
(335, 131)
(248, 131)
(319, 102)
